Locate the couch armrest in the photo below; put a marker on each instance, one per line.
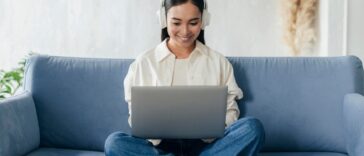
(19, 129)
(354, 122)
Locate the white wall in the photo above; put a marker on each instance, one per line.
(341, 28)
(333, 21)
(86, 28)
(355, 44)
(125, 28)
(246, 28)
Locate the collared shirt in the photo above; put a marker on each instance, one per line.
(180, 72)
(205, 67)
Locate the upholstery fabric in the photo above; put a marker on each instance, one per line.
(302, 154)
(19, 132)
(79, 101)
(63, 152)
(354, 115)
(299, 100)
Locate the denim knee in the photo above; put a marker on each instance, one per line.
(112, 140)
(255, 126)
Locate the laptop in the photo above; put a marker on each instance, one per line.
(178, 112)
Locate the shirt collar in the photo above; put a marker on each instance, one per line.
(163, 52)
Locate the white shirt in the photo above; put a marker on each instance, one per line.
(205, 67)
(180, 73)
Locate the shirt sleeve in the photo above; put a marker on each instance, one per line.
(155, 142)
(234, 93)
(128, 82)
(208, 140)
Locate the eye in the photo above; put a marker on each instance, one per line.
(176, 24)
(194, 23)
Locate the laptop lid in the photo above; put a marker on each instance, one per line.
(178, 112)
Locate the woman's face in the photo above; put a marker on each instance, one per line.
(184, 24)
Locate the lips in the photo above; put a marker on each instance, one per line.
(185, 38)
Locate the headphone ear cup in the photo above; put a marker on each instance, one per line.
(205, 19)
(162, 17)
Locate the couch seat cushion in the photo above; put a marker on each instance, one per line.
(64, 152)
(302, 154)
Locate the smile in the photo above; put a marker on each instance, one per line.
(185, 38)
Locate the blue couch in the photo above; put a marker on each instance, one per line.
(308, 106)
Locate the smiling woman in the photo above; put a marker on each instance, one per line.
(183, 28)
(185, 24)
(183, 59)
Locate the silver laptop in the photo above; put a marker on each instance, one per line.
(178, 112)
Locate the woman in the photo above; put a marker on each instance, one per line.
(183, 59)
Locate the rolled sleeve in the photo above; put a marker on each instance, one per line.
(234, 93)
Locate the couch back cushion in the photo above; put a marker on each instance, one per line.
(299, 100)
(79, 101)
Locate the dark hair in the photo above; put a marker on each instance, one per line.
(171, 3)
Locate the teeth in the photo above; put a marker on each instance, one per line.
(185, 38)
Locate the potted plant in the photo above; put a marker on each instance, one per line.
(11, 81)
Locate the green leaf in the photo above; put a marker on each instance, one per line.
(7, 75)
(2, 74)
(22, 62)
(11, 80)
(16, 76)
(9, 89)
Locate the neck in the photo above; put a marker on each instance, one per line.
(179, 51)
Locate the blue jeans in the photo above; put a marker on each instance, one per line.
(244, 137)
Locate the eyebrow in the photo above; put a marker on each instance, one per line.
(193, 19)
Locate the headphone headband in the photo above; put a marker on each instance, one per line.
(162, 2)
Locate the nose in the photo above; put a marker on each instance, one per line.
(185, 30)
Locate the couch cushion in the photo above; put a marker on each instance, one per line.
(299, 100)
(302, 154)
(19, 131)
(79, 101)
(63, 152)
